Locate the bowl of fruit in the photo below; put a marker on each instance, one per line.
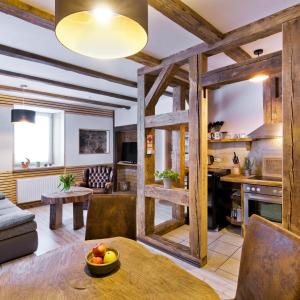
(102, 260)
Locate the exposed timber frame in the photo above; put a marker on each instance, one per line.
(153, 78)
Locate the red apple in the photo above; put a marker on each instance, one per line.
(99, 250)
(97, 260)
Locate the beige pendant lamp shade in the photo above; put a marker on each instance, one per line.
(102, 29)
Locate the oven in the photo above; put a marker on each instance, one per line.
(265, 201)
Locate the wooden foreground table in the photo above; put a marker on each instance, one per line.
(60, 275)
(77, 196)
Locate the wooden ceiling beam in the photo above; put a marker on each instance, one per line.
(240, 36)
(46, 20)
(28, 13)
(67, 85)
(266, 64)
(62, 97)
(254, 31)
(187, 18)
(32, 57)
(160, 84)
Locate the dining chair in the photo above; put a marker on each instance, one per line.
(270, 263)
(111, 216)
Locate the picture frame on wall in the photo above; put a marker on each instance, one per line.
(93, 141)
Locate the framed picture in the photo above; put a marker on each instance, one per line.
(93, 141)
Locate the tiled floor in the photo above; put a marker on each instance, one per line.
(224, 251)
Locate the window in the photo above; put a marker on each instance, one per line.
(34, 141)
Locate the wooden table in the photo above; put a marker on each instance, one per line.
(60, 275)
(77, 196)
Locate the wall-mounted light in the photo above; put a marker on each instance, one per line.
(259, 77)
(102, 29)
(23, 115)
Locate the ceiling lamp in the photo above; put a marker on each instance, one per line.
(23, 115)
(259, 77)
(104, 29)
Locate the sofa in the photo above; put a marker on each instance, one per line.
(99, 179)
(18, 235)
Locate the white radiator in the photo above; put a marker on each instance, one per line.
(31, 189)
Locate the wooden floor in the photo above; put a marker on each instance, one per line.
(223, 255)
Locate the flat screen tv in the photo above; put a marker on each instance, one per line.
(129, 152)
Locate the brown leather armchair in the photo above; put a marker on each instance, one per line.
(99, 179)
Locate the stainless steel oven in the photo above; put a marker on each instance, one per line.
(265, 201)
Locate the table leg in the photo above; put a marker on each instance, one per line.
(78, 215)
(55, 215)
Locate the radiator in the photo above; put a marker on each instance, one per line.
(31, 189)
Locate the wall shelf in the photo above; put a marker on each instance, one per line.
(126, 164)
(239, 140)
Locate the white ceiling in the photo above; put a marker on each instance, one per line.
(165, 38)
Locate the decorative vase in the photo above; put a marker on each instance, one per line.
(167, 183)
(68, 190)
(247, 172)
(236, 170)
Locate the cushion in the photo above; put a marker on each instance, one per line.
(14, 217)
(2, 196)
(5, 203)
(17, 230)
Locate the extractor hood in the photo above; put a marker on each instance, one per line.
(267, 131)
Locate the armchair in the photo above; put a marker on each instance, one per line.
(99, 179)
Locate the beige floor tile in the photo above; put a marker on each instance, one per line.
(215, 260)
(213, 235)
(227, 275)
(185, 243)
(231, 266)
(176, 239)
(223, 248)
(237, 254)
(233, 239)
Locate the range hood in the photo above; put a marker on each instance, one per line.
(267, 131)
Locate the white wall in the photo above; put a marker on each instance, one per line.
(126, 116)
(73, 123)
(6, 140)
(239, 105)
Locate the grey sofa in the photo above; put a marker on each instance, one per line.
(18, 235)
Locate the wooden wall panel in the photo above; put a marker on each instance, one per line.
(8, 180)
(69, 108)
(291, 126)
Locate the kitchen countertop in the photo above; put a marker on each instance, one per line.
(247, 179)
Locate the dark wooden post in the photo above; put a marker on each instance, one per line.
(198, 159)
(178, 149)
(146, 163)
(291, 125)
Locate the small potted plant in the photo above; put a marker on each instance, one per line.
(66, 182)
(168, 176)
(248, 164)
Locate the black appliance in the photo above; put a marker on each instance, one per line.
(219, 199)
(129, 152)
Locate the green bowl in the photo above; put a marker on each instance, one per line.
(103, 269)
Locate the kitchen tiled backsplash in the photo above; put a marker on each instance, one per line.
(223, 152)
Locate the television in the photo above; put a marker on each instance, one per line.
(129, 152)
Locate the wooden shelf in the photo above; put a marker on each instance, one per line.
(233, 221)
(241, 140)
(126, 164)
